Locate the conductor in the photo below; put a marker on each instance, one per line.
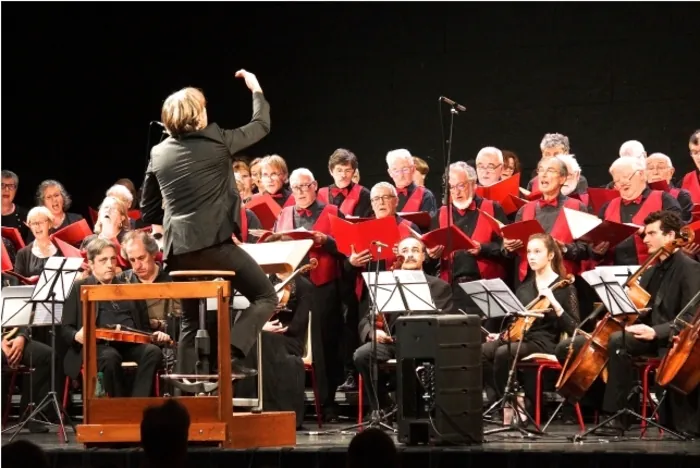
(190, 189)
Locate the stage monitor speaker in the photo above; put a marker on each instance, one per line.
(439, 387)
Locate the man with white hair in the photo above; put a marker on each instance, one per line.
(412, 198)
(555, 144)
(489, 166)
(691, 181)
(635, 203)
(633, 149)
(327, 321)
(660, 170)
(572, 187)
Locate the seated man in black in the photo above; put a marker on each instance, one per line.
(413, 253)
(102, 259)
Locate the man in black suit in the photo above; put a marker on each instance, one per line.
(413, 252)
(190, 189)
(102, 259)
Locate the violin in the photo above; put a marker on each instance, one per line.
(285, 288)
(126, 335)
(577, 376)
(521, 325)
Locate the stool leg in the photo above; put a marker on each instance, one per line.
(202, 342)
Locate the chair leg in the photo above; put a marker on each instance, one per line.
(538, 395)
(66, 393)
(579, 416)
(317, 402)
(360, 397)
(6, 414)
(645, 395)
(156, 384)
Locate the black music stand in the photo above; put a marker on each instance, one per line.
(616, 301)
(53, 287)
(495, 299)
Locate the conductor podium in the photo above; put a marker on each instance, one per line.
(118, 420)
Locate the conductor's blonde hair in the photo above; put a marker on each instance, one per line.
(183, 111)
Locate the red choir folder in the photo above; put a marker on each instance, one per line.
(660, 185)
(67, 249)
(361, 235)
(530, 196)
(134, 214)
(502, 192)
(14, 236)
(73, 234)
(7, 268)
(593, 230)
(522, 231)
(6, 262)
(460, 241)
(512, 204)
(695, 226)
(266, 209)
(696, 212)
(419, 218)
(356, 219)
(296, 234)
(600, 196)
(94, 214)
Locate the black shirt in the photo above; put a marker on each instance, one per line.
(116, 313)
(428, 203)
(16, 219)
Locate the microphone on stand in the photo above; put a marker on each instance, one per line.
(380, 244)
(449, 101)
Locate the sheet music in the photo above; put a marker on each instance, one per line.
(64, 279)
(621, 272)
(16, 311)
(610, 292)
(416, 290)
(493, 297)
(273, 254)
(42, 314)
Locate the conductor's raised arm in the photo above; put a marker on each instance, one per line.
(259, 126)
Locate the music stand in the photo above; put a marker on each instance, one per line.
(53, 287)
(607, 286)
(391, 292)
(495, 299)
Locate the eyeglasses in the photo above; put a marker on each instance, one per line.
(403, 170)
(658, 167)
(383, 198)
(624, 180)
(274, 175)
(458, 187)
(38, 223)
(487, 168)
(550, 171)
(9, 186)
(302, 187)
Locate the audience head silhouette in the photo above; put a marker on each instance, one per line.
(372, 448)
(24, 453)
(164, 431)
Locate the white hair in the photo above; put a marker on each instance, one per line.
(302, 171)
(466, 168)
(385, 185)
(632, 149)
(552, 140)
(39, 211)
(395, 155)
(662, 157)
(120, 192)
(632, 163)
(490, 151)
(569, 160)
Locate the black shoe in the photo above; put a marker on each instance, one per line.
(350, 384)
(36, 427)
(615, 427)
(239, 371)
(330, 413)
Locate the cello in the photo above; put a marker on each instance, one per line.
(577, 376)
(125, 335)
(680, 368)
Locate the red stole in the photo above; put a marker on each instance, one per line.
(488, 269)
(350, 202)
(289, 202)
(654, 202)
(535, 185)
(327, 269)
(560, 231)
(244, 225)
(415, 201)
(674, 192)
(692, 185)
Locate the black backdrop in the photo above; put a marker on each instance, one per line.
(80, 82)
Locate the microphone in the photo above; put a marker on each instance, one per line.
(449, 101)
(379, 244)
(158, 123)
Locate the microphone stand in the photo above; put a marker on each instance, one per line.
(447, 159)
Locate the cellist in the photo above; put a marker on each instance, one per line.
(671, 283)
(546, 260)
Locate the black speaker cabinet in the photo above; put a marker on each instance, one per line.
(448, 349)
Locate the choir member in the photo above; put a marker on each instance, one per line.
(356, 177)
(54, 196)
(249, 220)
(121, 193)
(421, 172)
(554, 144)
(489, 166)
(511, 164)
(635, 203)
(485, 261)
(130, 187)
(544, 258)
(310, 214)
(548, 211)
(274, 177)
(255, 175)
(671, 283)
(412, 252)
(31, 259)
(660, 169)
(631, 149)
(102, 259)
(351, 199)
(242, 173)
(13, 216)
(412, 198)
(572, 187)
(691, 181)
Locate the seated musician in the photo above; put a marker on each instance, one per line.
(31, 259)
(274, 176)
(545, 258)
(283, 345)
(671, 283)
(413, 253)
(660, 169)
(102, 259)
(54, 196)
(412, 198)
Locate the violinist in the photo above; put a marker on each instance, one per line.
(545, 258)
(412, 254)
(102, 259)
(671, 283)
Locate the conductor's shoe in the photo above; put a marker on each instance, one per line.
(239, 371)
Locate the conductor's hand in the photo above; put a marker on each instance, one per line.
(512, 245)
(160, 337)
(251, 81)
(382, 337)
(79, 337)
(359, 259)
